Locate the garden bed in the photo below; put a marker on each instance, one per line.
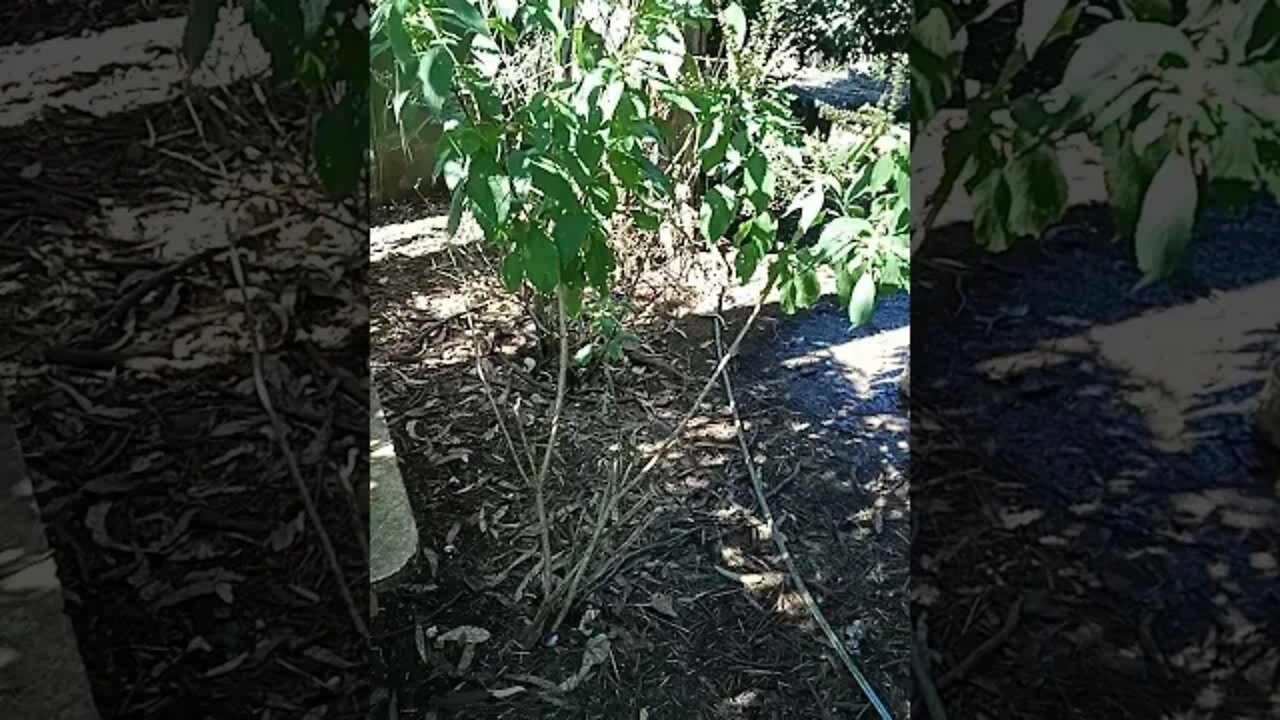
(684, 637)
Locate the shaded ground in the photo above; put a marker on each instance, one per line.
(684, 638)
(1094, 534)
(847, 91)
(196, 587)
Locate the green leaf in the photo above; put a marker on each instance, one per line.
(808, 289)
(862, 301)
(1123, 104)
(198, 33)
(1125, 178)
(758, 182)
(845, 280)
(747, 260)
(609, 98)
(991, 212)
(401, 43)
(1038, 18)
(1121, 46)
(719, 208)
(881, 173)
(600, 263)
(570, 233)
(541, 261)
(455, 212)
(735, 22)
(838, 234)
(513, 270)
(1168, 217)
(339, 157)
(933, 32)
(1038, 191)
(551, 180)
(1235, 153)
(809, 204)
(573, 298)
(435, 70)
(469, 15)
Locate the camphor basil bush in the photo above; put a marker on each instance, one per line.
(549, 178)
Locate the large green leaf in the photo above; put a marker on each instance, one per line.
(933, 32)
(599, 263)
(719, 208)
(758, 181)
(570, 234)
(552, 181)
(541, 260)
(1038, 191)
(862, 300)
(992, 200)
(1168, 217)
(808, 288)
(1121, 46)
(435, 71)
(469, 15)
(1235, 153)
(838, 235)
(1125, 177)
(735, 22)
(809, 203)
(513, 269)
(1124, 103)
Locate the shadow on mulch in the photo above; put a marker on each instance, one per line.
(30, 21)
(1071, 562)
(196, 586)
(686, 641)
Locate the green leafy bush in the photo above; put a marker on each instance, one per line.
(1182, 101)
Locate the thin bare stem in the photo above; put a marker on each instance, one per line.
(282, 438)
(780, 541)
(540, 480)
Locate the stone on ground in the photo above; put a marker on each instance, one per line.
(41, 674)
(393, 530)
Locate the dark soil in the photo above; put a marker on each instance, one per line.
(685, 640)
(1094, 534)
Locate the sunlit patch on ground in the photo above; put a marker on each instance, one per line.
(1182, 363)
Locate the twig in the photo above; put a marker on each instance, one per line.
(281, 433)
(540, 480)
(780, 541)
(920, 665)
(607, 504)
(629, 481)
(497, 413)
(986, 648)
(133, 297)
(727, 355)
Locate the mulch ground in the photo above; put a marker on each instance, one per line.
(1091, 540)
(667, 614)
(196, 583)
(30, 21)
